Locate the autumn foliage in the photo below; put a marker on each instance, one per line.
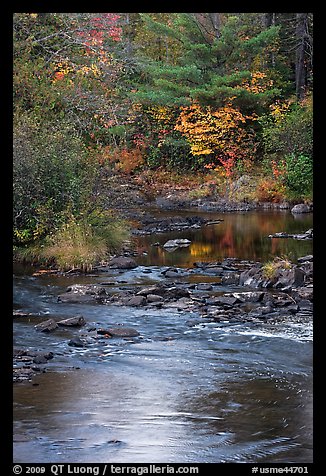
(224, 135)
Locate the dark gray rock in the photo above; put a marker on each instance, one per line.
(136, 301)
(47, 326)
(308, 268)
(154, 298)
(307, 235)
(76, 342)
(176, 293)
(22, 314)
(251, 277)
(290, 277)
(77, 321)
(229, 300)
(304, 293)
(305, 305)
(119, 332)
(249, 296)
(83, 293)
(42, 357)
(231, 278)
(22, 374)
(280, 234)
(204, 287)
(284, 278)
(154, 289)
(303, 259)
(122, 262)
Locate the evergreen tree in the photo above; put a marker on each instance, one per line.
(217, 55)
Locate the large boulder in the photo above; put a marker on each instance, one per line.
(122, 262)
(158, 288)
(300, 208)
(282, 278)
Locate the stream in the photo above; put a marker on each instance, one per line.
(174, 394)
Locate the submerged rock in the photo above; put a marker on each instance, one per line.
(76, 342)
(119, 332)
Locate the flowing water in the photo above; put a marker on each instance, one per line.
(214, 393)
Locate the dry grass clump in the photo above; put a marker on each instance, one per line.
(271, 267)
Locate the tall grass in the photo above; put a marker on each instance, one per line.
(77, 244)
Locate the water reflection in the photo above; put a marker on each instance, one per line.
(262, 417)
(239, 235)
(131, 418)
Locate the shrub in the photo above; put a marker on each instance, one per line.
(299, 174)
(270, 190)
(288, 129)
(51, 173)
(124, 160)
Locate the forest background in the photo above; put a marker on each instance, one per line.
(199, 101)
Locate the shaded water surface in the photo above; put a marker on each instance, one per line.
(213, 393)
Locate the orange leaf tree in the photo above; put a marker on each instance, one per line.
(220, 136)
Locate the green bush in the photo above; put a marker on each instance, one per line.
(173, 153)
(291, 135)
(299, 174)
(51, 174)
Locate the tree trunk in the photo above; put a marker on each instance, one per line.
(270, 19)
(300, 65)
(216, 22)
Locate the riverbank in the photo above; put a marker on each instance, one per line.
(137, 205)
(170, 191)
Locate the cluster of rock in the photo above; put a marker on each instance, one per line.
(26, 363)
(223, 205)
(152, 224)
(286, 295)
(29, 362)
(307, 235)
